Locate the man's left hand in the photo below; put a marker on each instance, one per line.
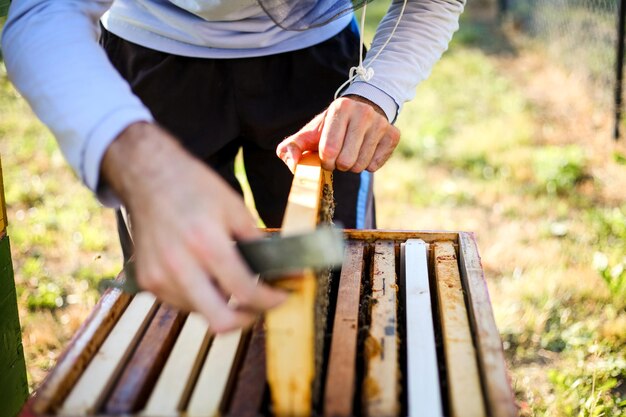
(352, 134)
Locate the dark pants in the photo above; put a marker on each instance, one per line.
(217, 106)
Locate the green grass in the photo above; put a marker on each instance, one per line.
(472, 157)
(62, 241)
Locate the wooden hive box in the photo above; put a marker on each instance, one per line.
(409, 331)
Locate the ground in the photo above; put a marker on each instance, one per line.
(501, 141)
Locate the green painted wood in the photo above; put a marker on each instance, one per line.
(13, 383)
(4, 7)
(5, 254)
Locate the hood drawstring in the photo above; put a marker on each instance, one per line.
(367, 73)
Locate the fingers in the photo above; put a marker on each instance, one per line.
(291, 149)
(242, 223)
(290, 152)
(353, 134)
(333, 133)
(367, 128)
(384, 150)
(223, 262)
(356, 137)
(212, 246)
(177, 278)
(189, 260)
(207, 300)
(184, 220)
(366, 153)
(352, 143)
(154, 275)
(162, 286)
(233, 271)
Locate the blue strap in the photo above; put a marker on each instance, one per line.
(354, 26)
(361, 202)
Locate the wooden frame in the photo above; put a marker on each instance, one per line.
(214, 380)
(496, 394)
(496, 383)
(290, 328)
(98, 377)
(248, 394)
(170, 395)
(464, 385)
(423, 394)
(227, 375)
(381, 386)
(341, 378)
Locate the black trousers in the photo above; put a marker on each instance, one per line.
(216, 107)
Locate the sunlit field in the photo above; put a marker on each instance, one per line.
(499, 141)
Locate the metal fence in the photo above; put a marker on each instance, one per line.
(584, 35)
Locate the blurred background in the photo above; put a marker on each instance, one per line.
(512, 137)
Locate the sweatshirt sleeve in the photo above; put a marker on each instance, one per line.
(52, 56)
(422, 36)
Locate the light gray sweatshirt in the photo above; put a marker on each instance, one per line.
(52, 56)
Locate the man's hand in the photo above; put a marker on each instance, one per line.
(184, 220)
(353, 134)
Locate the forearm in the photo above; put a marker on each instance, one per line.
(422, 36)
(52, 56)
(142, 162)
(134, 157)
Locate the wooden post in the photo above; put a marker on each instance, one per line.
(13, 384)
(291, 327)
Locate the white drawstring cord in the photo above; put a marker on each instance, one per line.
(367, 73)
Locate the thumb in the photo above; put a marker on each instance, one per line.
(306, 139)
(291, 149)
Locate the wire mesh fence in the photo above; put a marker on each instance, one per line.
(581, 34)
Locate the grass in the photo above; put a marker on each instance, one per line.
(486, 147)
(482, 151)
(62, 241)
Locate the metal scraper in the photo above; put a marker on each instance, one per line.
(272, 257)
(275, 256)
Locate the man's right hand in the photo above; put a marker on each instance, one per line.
(185, 219)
